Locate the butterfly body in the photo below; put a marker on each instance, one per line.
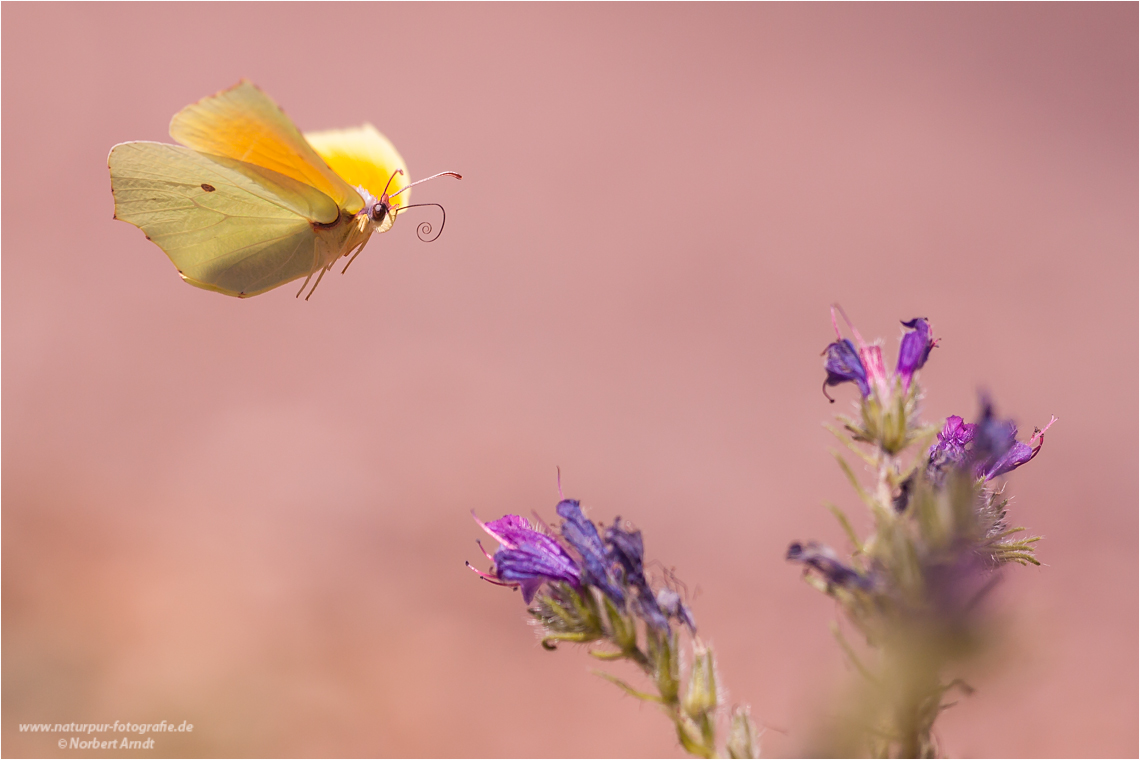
(247, 203)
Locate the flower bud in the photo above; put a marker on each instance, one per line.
(701, 696)
(743, 739)
(914, 349)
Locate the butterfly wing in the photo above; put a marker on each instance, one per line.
(363, 157)
(243, 123)
(227, 226)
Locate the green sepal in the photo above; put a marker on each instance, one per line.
(660, 650)
(841, 516)
(852, 656)
(875, 507)
(642, 695)
(743, 738)
(846, 441)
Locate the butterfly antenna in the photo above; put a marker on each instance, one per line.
(425, 228)
(398, 171)
(457, 175)
(318, 282)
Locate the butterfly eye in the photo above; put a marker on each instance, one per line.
(379, 212)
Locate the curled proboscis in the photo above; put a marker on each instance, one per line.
(424, 229)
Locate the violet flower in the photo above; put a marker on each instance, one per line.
(952, 441)
(856, 362)
(827, 563)
(993, 437)
(526, 558)
(993, 446)
(844, 366)
(583, 536)
(1018, 453)
(626, 548)
(914, 349)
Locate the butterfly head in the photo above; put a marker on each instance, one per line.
(377, 211)
(381, 212)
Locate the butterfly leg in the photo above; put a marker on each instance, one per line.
(318, 282)
(304, 285)
(359, 248)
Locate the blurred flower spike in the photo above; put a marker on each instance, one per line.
(585, 586)
(913, 588)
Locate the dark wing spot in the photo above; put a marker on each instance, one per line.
(208, 188)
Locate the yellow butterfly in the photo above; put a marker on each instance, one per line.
(250, 203)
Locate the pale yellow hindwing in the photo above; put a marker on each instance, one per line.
(363, 157)
(227, 226)
(245, 124)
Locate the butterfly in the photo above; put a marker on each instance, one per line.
(247, 203)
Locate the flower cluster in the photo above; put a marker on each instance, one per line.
(587, 586)
(864, 366)
(988, 448)
(889, 399)
(912, 588)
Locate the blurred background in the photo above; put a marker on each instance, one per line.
(253, 515)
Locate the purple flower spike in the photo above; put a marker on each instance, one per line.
(823, 559)
(526, 558)
(843, 365)
(583, 536)
(914, 349)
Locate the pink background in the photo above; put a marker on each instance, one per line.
(253, 515)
